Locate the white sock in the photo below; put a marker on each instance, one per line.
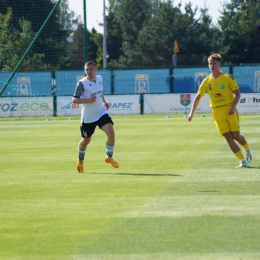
(109, 150)
(81, 155)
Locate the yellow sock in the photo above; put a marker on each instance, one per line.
(245, 146)
(239, 155)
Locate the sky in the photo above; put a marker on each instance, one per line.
(95, 10)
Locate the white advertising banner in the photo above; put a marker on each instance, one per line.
(26, 106)
(181, 103)
(65, 107)
(118, 104)
(249, 103)
(173, 103)
(123, 104)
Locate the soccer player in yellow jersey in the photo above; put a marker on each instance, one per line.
(224, 96)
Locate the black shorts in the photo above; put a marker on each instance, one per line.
(88, 129)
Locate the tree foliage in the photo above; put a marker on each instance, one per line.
(132, 16)
(77, 48)
(148, 38)
(239, 42)
(13, 44)
(114, 39)
(68, 18)
(51, 45)
(140, 33)
(149, 28)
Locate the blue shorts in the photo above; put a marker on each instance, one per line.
(88, 129)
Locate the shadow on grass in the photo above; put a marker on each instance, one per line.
(142, 174)
(149, 174)
(253, 167)
(208, 191)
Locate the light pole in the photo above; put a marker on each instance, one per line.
(85, 31)
(104, 37)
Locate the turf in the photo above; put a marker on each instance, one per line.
(176, 195)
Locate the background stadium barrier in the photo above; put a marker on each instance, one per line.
(128, 81)
(49, 93)
(119, 104)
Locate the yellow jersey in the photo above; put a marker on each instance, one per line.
(220, 90)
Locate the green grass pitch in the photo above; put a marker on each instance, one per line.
(176, 195)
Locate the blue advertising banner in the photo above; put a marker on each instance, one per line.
(66, 81)
(141, 81)
(27, 84)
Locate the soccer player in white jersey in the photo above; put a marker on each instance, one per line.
(94, 108)
(224, 95)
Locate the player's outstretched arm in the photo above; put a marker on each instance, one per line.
(195, 103)
(105, 104)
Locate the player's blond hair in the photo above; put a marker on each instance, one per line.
(214, 56)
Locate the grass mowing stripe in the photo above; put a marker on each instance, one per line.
(199, 205)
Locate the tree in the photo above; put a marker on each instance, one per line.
(68, 18)
(95, 47)
(131, 15)
(239, 40)
(114, 37)
(148, 39)
(52, 42)
(198, 36)
(77, 47)
(13, 44)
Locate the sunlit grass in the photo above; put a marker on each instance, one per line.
(176, 195)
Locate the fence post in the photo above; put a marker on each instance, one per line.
(141, 103)
(112, 87)
(231, 69)
(171, 80)
(53, 90)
